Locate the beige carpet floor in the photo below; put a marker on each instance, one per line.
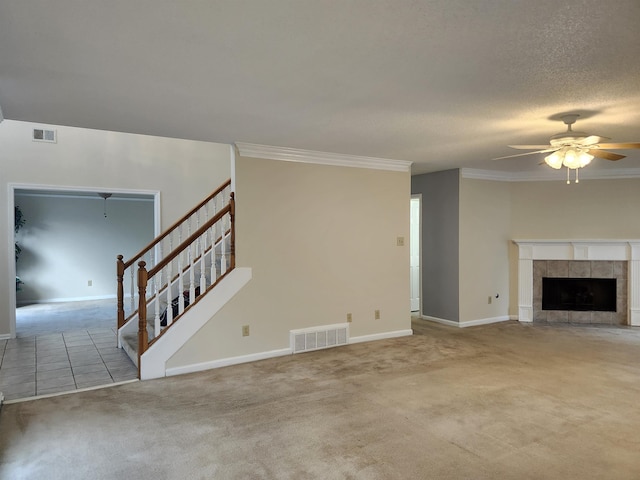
(504, 401)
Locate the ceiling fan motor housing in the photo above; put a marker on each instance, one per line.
(567, 138)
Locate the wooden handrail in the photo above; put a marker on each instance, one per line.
(145, 276)
(189, 240)
(176, 224)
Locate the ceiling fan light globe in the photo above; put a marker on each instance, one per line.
(554, 160)
(571, 159)
(585, 159)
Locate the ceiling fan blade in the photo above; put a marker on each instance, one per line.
(528, 153)
(621, 146)
(604, 154)
(528, 147)
(592, 140)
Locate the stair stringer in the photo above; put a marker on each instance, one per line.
(153, 362)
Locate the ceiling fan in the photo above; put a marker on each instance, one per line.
(574, 149)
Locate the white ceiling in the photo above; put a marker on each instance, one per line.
(442, 83)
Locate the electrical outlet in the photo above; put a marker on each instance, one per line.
(245, 330)
(400, 241)
(89, 283)
(377, 314)
(489, 300)
(349, 318)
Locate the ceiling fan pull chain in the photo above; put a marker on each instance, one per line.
(568, 179)
(577, 179)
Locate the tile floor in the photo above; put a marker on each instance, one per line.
(62, 361)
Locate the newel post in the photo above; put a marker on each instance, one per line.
(120, 290)
(143, 340)
(232, 215)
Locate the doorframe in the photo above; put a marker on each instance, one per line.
(417, 196)
(11, 192)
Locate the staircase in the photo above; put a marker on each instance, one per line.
(171, 276)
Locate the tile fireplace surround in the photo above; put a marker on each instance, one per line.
(600, 255)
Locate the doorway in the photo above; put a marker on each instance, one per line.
(90, 224)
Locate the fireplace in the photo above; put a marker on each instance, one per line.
(613, 260)
(579, 294)
(581, 284)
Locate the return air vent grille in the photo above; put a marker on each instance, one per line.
(42, 135)
(317, 338)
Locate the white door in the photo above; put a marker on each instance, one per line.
(414, 252)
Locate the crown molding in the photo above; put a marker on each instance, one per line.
(321, 158)
(550, 175)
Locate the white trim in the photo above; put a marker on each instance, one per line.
(381, 336)
(548, 175)
(443, 321)
(484, 321)
(226, 362)
(468, 323)
(321, 158)
(153, 361)
(5, 336)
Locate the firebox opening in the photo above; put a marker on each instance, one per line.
(579, 294)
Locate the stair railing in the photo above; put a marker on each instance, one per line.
(172, 263)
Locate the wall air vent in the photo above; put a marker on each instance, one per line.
(43, 135)
(318, 338)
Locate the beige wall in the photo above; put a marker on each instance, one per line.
(484, 249)
(183, 171)
(321, 241)
(592, 209)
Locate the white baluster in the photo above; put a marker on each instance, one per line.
(157, 283)
(169, 295)
(133, 300)
(214, 270)
(203, 280)
(223, 248)
(180, 285)
(192, 280)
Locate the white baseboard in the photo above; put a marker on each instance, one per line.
(381, 336)
(443, 321)
(226, 362)
(468, 323)
(253, 357)
(5, 336)
(484, 321)
(22, 303)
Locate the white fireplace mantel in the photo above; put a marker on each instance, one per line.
(530, 250)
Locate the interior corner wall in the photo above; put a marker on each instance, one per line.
(591, 209)
(485, 238)
(321, 242)
(183, 171)
(69, 245)
(440, 242)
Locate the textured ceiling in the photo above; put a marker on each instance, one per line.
(442, 83)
